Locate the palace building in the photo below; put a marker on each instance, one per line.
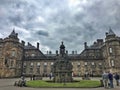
(17, 58)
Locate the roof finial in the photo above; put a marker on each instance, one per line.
(62, 42)
(13, 29)
(111, 31)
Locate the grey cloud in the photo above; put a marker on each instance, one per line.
(42, 33)
(61, 22)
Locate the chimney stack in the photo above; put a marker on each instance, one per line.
(37, 45)
(23, 43)
(67, 52)
(85, 45)
(57, 52)
(106, 33)
(72, 52)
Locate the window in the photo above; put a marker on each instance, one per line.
(45, 67)
(78, 65)
(52, 66)
(38, 67)
(85, 63)
(112, 63)
(31, 64)
(33, 55)
(45, 64)
(93, 63)
(13, 53)
(110, 50)
(38, 70)
(52, 63)
(31, 70)
(100, 64)
(38, 64)
(24, 64)
(24, 69)
(26, 54)
(0, 53)
(72, 63)
(12, 63)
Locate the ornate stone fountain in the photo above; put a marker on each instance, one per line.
(62, 68)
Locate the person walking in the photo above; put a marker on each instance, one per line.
(117, 77)
(110, 77)
(105, 79)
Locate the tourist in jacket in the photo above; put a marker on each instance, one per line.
(110, 77)
(117, 77)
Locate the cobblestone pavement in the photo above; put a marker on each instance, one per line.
(7, 84)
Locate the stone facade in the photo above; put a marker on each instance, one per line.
(16, 58)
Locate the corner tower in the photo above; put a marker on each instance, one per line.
(12, 55)
(111, 51)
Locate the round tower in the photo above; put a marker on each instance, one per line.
(112, 51)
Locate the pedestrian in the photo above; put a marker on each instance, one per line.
(117, 77)
(50, 76)
(33, 77)
(105, 79)
(22, 78)
(110, 77)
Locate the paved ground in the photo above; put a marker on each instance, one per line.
(7, 84)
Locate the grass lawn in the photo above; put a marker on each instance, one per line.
(80, 84)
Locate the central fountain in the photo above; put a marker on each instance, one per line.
(62, 68)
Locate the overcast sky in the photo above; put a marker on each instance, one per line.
(51, 21)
